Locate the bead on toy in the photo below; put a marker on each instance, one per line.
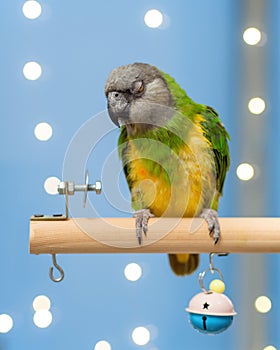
(217, 286)
(211, 311)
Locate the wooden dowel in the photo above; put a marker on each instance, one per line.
(166, 235)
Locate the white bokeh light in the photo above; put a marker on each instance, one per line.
(245, 171)
(252, 36)
(270, 347)
(102, 345)
(32, 70)
(42, 318)
(141, 335)
(133, 272)
(51, 184)
(43, 131)
(263, 304)
(256, 105)
(41, 302)
(153, 18)
(31, 9)
(6, 323)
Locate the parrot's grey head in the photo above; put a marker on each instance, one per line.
(138, 97)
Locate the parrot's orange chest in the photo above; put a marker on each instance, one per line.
(174, 184)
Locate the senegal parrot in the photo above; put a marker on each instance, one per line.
(174, 151)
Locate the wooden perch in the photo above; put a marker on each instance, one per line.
(166, 235)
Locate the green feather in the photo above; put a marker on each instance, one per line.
(213, 129)
(218, 137)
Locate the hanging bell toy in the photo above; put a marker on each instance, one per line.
(211, 311)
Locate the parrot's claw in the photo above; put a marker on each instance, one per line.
(142, 217)
(211, 217)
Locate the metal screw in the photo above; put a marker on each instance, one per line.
(69, 187)
(72, 188)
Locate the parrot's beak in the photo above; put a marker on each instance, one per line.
(118, 108)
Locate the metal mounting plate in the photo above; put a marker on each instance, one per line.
(55, 217)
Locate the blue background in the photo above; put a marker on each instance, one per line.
(77, 45)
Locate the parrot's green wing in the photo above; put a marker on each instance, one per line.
(122, 145)
(212, 127)
(216, 134)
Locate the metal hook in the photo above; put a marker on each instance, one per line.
(59, 279)
(202, 274)
(211, 255)
(212, 268)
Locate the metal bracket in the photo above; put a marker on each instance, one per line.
(68, 188)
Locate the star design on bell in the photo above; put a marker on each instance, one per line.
(205, 305)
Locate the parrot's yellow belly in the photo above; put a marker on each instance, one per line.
(181, 186)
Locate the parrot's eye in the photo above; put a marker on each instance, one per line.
(138, 87)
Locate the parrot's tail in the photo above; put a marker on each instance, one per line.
(183, 264)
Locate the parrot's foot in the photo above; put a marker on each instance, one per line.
(211, 217)
(142, 217)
